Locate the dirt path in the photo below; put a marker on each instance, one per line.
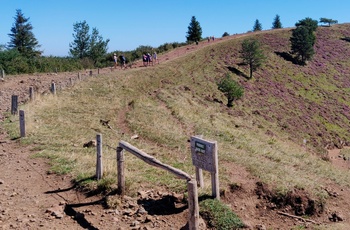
(30, 198)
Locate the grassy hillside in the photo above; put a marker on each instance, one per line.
(283, 105)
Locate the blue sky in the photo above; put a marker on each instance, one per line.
(129, 24)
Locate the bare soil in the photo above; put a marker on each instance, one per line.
(31, 198)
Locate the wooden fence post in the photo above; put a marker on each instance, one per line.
(199, 177)
(98, 71)
(53, 88)
(120, 166)
(2, 73)
(193, 208)
(31, 93)
(79, 78)
(215, 175)
(22, 125)
(14, 104)
(99, 168)
(90, 72)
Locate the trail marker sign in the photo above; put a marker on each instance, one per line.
(205, 156)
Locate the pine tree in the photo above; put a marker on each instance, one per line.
(252, 54)
(79, 48)
(309, 23)
(22, 38)
(98, 47)
(303, 39)
(328, 21)
(231, 89)
(194, 33)
(257, 26)
(277, 22)
(302, 44)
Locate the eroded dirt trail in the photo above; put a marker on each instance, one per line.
(30, 198)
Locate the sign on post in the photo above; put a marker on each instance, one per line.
(205, 156)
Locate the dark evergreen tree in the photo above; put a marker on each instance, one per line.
(22, 38)
(302, 44)
(79, 48)
(252, 54)
(303, 39)
(277, 22)
(194, 33)
(98, 47)
(225, 34)
(257, 26)
(309, 23)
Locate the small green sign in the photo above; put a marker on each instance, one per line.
(200, 147)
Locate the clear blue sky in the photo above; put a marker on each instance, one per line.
(129, 24)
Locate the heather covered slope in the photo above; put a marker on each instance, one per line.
(309, 102)
(264, 167)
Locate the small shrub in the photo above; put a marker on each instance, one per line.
(219, 216)
(225, 34)
(231, 89)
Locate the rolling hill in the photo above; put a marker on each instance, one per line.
(273, 143)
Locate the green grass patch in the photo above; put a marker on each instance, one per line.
(219, 216)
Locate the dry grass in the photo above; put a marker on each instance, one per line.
(165, 105)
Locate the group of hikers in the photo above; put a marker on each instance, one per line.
(147, 60)
(122, 61)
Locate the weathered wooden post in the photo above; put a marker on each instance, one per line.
(14, 104)
(2, 73)
(90, 72)
(22, 124)
(53, 88)
(120, 166)
(31, 93)
(98, 71)
(193, 208)
(191, 183)
(215, 173)
(70, 81)
(199, 177)
(205, 156)
(79, 78)
(99, 168)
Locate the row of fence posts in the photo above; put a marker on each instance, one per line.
(14, 100)
(2, 73)
(191, 183)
